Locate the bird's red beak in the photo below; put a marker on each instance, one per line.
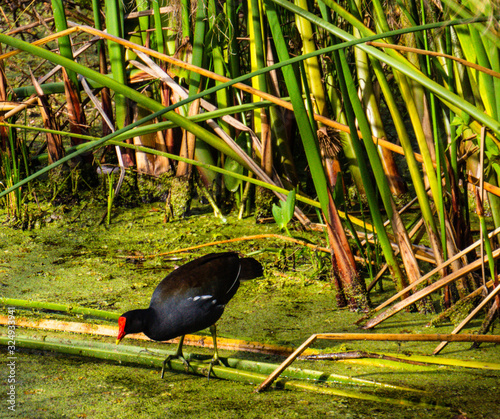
(121, 329)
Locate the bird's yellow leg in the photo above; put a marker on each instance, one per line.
(215, 359)
(178, 355)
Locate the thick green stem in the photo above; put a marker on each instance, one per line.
(59, 307)
(110, 352)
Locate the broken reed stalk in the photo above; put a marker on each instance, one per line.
(488, 320)
(427, 290)
(428, 276)
(402, 337)
(457, 329)
(111, 352)
(453, 308)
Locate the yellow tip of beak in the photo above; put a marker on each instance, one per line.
(118, 341)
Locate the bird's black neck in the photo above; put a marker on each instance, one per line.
(137, 320)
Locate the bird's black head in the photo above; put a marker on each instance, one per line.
(131, 322)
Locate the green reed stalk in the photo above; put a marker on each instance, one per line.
(42, 305)
(354, 110)
(160, 44)
(64, 42)
(114, 26)
(307, 134)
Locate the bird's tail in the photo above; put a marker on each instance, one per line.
(250, 269)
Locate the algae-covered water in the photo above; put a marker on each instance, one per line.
(73, 259)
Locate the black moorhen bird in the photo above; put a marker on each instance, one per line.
(189, 299)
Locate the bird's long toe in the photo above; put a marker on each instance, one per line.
(214, 361)
(176, 356)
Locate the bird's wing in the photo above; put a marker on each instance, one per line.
(215, 274)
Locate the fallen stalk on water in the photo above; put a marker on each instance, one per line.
(222, 343)
(237, 363)
(42, 305)
(125, 354)
(448, 362)
(420, 360)
(237, 239)
(189, 340)
(403, 337)
(342, 356)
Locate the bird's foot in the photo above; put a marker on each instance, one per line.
(214, 361)
(176, 356)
